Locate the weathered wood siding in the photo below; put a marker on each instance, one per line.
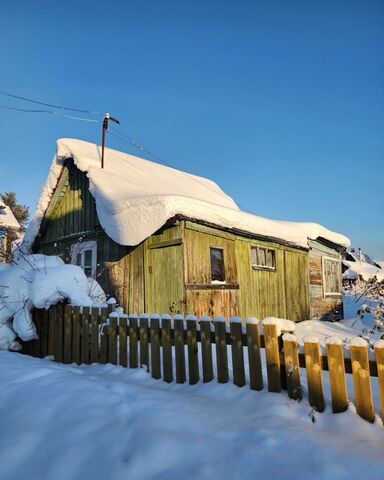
(323, 307)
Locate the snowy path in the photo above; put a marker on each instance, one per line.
(103, 422)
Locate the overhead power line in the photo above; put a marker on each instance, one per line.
(47, 104)
(27, 110)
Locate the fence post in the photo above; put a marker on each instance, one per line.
(178, 321)
(237, 351)
(379, 350)
(193, 358)
(337, 375)
(272, 355)
(123, 357)
(94, 357)
(58, 340)
(361, 378)
(155, 347)
(167, 348)
(85, 335)
(103, 335)
(206, 348)
(292, 366)
(133, 344)
(144, 351)
(221, 350)
(75, 334)
(314, 377)
(254, 357)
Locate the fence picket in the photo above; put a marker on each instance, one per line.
(85, 335)
(206, 348)
(167, 348)
(193, 358)
(337, 376)
(144, 351)
(292, 367)
(254, 357)
(237, 351)
(179, 348)
(112, 339)
(123, 338)
(76, 335)
(379, 350)
(362, 379)
(67, 340)
(58, 338)
(133, 344)
(221, 350)
(155, 347)
(94, 335)
(314, 377)
(272, 357)
(44, 334)
(103, 334)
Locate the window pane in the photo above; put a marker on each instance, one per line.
(217, 265)
(261, 257)
(78, 259)
(270, 258)
(254, 256)
(88, 258)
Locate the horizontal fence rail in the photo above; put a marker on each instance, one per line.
(174, 348)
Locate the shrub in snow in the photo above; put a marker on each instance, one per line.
(38, 281)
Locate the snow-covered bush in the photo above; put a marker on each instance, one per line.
(39, 281)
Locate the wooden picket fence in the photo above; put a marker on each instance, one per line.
(85, 335)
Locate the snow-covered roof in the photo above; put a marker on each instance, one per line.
(7, 219)
(362, 269)
(135, 197)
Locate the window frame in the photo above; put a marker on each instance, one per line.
(213, 281)
(80, 248)
(337, 261)
(256, 266)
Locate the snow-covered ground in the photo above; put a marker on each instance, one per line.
(100, 421)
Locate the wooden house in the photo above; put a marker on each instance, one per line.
(164, 241)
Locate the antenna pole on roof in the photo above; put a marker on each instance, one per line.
(106, 120)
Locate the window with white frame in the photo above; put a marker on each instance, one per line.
(331, 276)
(84, 254)
(263, 258)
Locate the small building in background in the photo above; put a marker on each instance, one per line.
(164, 241)
(8, 223)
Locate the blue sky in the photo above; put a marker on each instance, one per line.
(281, 103)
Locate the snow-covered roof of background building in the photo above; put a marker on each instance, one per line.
(7, 219)
(135, 197)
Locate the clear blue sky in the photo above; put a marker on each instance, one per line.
(281, 103)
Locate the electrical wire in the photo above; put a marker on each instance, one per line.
(47, 104)
(71, 117)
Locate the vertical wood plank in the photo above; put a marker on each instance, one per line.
(144, 349)
(179, 348)
(206, 348)
(379, 350)
(51, 331)
(337, 375)
(94, 354)
(237, 351)
(221, 350)
(193, 353)
(44, 334)
(76, 335)
(254, 356)
(167, 348)
(59, 333)
(67, 341)
(362, 379)
(112, 339)
(292, 366)
(103, 332)
(314, 377)
(133, 344)
(123, 339)
(155, 347)
(85, 319)
(272, 357)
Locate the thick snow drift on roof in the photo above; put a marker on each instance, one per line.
(135, 197)
(362, 269)
(7, 219)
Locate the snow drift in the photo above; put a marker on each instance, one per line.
(37, 281)
(135, 197)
